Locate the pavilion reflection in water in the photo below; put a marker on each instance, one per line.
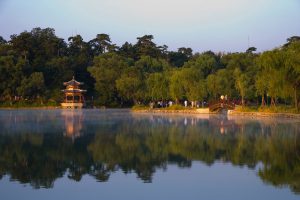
(73, 123)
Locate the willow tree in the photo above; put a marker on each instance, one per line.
(131, 85)
(194, 84)
(271, 64)
(176, 86)
(261, 87)
(241, 83)
(292, 66)
(158, 86)
(213, 86)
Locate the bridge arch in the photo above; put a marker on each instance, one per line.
(221, 105)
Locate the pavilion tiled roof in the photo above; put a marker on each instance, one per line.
(73, 82)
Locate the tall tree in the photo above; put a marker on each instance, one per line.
(206, 63)
(76, 45)
(176, 86)
(241, 83)
(106, 69)
(213, 86)
(101, 44)
(33, 86)
(128, 50)
(292, 66)
(146, 47)
(291, 40)
(158, 86)
(272, 64)
(11, 75)
(178, 58)
(251, 49)
(2, 40)
(131, 85)
(261, 87)
(193, 84)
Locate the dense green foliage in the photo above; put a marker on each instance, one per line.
(34, 64)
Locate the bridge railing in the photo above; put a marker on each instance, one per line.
(229, 104)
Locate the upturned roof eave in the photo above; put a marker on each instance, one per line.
(73, 90)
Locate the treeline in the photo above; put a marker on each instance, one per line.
(33, 66)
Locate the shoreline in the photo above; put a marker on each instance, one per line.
(263, 114)
(201, 111)
(229, 113)
(31, 108)
(187, 111)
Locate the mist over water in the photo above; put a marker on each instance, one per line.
(115, 154)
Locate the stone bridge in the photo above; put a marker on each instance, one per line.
(221, 105)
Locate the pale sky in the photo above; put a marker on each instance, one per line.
(217, 25)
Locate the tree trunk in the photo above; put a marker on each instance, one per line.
(243, 103)
(272, 102)
(295, 98)
(263, 102)
(10, 100)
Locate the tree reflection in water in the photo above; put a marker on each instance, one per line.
(38, 148)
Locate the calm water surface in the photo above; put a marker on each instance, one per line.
(116, 154)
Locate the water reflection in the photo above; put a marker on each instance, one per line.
(35, 146)
(73, 122)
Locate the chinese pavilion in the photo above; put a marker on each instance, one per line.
(73, 95)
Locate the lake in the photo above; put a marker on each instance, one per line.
(117, 154)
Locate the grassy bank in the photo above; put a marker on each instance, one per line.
(173, 107)
(268, 109)
(28, 104)
(255, 111)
